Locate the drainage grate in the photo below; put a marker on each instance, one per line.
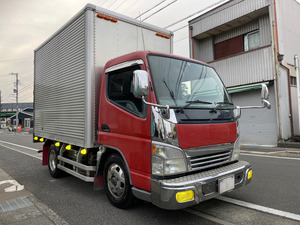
(15, 204)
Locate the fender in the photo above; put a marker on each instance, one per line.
(102, 154)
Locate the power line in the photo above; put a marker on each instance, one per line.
(103, 2)
(120, 5)
(131, 6)
(181, 39)
(160, 10)
(112, 3)
(150, 9)
(198, 12)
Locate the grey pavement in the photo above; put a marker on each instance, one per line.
(282, 150)
(18, 206)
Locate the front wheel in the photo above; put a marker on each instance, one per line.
(116, 182)
(53, 161)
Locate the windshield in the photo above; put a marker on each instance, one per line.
(180, 83)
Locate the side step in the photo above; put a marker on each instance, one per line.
(77, 165)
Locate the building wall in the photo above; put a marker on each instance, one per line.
(250, 67)
(288, 14)
(257, 126)
(284, 107)
(226, 13)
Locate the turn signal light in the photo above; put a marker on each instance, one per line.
(185, 196)
(83, 151)
(249, 174)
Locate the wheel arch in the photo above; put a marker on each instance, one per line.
(107, 151)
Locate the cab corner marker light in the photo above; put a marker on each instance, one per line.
(158, 34)
(185, 196)
(57, 144)
(100, 16)
(83, 151)
(249, 174)
(114, 20)
(107, 18)
(36, 138)
(153, 149)
(41, 139)
(68, 147)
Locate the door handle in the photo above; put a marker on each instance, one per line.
(105, 128)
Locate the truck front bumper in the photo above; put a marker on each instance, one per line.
(205, 185)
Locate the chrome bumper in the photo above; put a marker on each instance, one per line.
(204, 184)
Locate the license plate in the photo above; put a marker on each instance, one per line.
(226, 184)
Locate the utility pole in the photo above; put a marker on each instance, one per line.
(16, 91)
(0, 112)
(296, 61)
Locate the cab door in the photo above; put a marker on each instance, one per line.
(125, 124)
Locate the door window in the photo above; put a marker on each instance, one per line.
(119, 90)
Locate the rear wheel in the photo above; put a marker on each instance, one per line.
(53, 162)
(116, 182)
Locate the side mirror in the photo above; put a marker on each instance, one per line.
(265, 96)
(264, 99)
(140, 83)
(264, 92)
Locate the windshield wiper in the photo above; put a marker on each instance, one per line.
(170, 91)
(192, 102)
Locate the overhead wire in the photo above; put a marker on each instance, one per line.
(160, 10)
(150, 9)
(120, 5)
(131, 6)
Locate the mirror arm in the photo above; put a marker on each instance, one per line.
(166, 108)
(155, 105)
(266, 104)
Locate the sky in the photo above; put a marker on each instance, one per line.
(25, 24)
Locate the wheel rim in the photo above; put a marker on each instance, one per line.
(52, 160)
(116, 181)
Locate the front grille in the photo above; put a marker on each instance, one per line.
(210, 160)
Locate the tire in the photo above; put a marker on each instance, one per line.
(116, 183)
(53, 161)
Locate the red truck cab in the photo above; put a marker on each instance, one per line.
(172, 129)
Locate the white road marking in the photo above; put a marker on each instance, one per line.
(21, 146)
(21, 151)
(15, 185)
(260, 208)
(269, 156)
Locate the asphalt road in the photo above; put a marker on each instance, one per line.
(275, 186)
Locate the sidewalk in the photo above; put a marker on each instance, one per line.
(20, 207)
(284, 151)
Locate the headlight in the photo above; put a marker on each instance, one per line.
(236, 150)
(237, 113)
(167, 160)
